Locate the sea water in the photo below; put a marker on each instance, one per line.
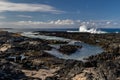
(81, 53)
(108, 30)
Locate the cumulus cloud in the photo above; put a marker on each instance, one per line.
(24, 16)
(108, 22)
(22, 7)
(2, 17)
(63, 22)
(57, 22)
(39, 24)
(67, 23)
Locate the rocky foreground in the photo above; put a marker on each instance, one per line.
(23, 58)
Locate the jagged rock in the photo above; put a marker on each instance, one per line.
(10, 71)
(103, 66)
(31, 78)
(69, 49)
(52, 78)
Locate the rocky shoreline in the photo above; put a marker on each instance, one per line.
(25, 58)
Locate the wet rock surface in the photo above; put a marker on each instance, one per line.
(103, 66)
(24, 58)
(69, 49)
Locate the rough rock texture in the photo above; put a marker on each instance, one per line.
(25, 59)
(69, 49)
(103, 66)
(9, 71)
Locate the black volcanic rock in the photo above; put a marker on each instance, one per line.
(102, 66)
(69, 49)
(52, 78)
(10, 71)
(70, 69)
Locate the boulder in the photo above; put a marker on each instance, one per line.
(69, 49)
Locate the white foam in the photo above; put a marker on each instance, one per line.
(32, 35)
(84, 28)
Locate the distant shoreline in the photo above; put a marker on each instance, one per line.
(109, 30)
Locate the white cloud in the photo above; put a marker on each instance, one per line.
(2, 17)
(68, 23)
(108, 22)
(38, 24)
(24, 16)
(22, 7)
(78, 21)
(57, 22)
(63, 22)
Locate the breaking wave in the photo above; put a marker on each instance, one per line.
(84, 28)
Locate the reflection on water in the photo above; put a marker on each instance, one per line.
(32, 35)
(85, 51)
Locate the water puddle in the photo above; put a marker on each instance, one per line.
(84, 52)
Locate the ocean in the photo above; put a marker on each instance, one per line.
(108, 30)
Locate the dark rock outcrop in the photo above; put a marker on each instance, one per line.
(103, 66)
(69, 49)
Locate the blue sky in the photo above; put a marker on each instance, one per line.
(59, 13)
